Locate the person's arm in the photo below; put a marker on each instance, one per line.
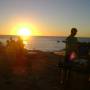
(64, 41)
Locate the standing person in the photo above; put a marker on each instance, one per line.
(3, 62)
(71, 46)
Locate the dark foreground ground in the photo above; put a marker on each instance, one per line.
(43, 74)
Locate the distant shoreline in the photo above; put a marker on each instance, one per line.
(40, 36)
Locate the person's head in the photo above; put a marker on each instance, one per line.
(11, 39)
(73, 31)
(0, 43)
(7, 41)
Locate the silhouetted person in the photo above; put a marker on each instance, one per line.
(11, 40)
(71, 46)
(7, 43)
(10, 46)
(2, 59)
(2, 48)
(20, 43)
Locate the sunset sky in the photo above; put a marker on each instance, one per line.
(45, 17)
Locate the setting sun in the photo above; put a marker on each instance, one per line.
(24, 32)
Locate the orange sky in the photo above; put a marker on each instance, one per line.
(45, 17)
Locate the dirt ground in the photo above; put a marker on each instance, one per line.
(43, 73)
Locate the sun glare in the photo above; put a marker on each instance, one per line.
(24, 33)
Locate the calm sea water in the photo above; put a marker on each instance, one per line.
(43, 43)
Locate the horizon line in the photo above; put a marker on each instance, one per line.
(45, 35)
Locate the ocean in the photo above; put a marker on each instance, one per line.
(43, 43)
